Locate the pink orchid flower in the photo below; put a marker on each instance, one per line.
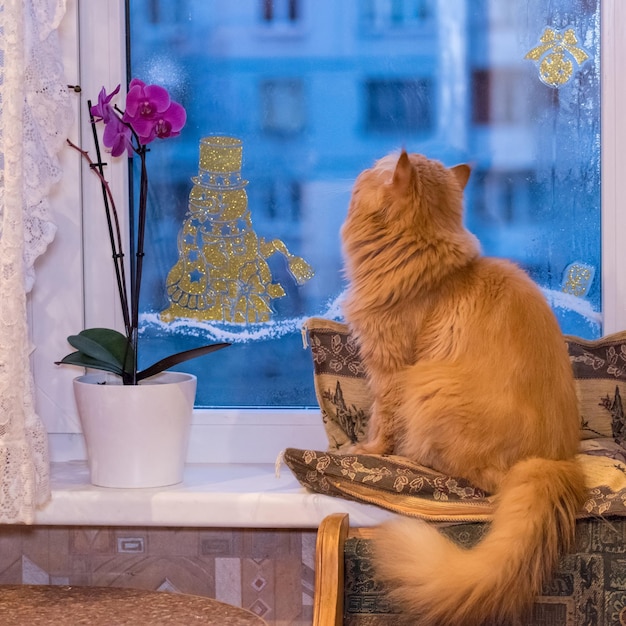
(104, 110)
(151, 112)
(117, 136)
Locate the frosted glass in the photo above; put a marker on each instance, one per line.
(315, 91)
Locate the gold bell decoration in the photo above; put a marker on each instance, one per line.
(555, 54)
(222, 273)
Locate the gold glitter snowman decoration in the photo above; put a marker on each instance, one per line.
(222, 273)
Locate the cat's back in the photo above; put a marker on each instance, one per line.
(493, 325)
(494, 303)
(492, 282)
(507, 287)
(500, 281)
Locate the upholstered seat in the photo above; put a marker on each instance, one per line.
(589, 587)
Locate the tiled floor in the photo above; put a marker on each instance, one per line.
(267, 571)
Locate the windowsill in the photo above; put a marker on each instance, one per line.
(211, 495)
(230, 480)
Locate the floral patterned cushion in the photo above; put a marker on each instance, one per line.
(396, 484)
(342, 393)
(340, 384)
(600, 372)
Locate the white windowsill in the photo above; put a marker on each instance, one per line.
(211, 495)
(230, 480)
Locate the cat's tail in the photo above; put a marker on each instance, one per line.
(444, 584)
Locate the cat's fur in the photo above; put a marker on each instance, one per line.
(470, 376)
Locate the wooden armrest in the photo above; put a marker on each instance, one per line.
(329, 570)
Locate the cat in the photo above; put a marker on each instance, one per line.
(470, 375)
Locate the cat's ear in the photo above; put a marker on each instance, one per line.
(462, 173)
(403, 174)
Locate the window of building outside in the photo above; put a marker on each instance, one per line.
(513, 88)
(397, 105)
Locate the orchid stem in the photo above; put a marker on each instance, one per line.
(139, 253)
(110, 210)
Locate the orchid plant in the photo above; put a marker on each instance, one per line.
(149, 114)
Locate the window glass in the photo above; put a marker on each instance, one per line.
(289, 100)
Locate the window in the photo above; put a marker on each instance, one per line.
(400, 105)
(504, 212)
(475, 87)
(282, 106)
(504, 198)
(389, 15)
(280, 10)
(508, 96)
(513, 169)
(165, 12)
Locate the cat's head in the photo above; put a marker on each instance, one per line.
(409, 193)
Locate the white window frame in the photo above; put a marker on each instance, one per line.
(72, 292)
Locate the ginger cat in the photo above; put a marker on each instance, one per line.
(470, 376)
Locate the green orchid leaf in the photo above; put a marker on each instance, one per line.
(179, 357)
(84, 360)
(104, 344)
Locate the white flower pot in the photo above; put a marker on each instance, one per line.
(136, 435)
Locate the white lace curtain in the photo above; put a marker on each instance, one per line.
(35, 115)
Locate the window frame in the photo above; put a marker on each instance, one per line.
(83, 294)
